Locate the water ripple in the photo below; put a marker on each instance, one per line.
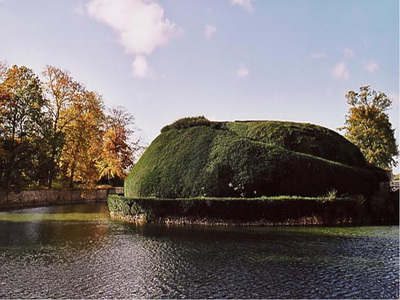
(99, 258)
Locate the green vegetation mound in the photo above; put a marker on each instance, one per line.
(194, 157)
(304, 138)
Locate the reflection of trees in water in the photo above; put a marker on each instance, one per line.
(77, 208)
(49, 229)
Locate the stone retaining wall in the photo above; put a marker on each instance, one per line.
(10, 199)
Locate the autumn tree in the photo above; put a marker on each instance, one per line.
(3, 70)
(22, 119)
(57, 129)
(119, 146)
(81, 135)
(367, 125)
(82, 138)
(64, 95)
(4, 98)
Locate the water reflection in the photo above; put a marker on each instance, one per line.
(86, 255)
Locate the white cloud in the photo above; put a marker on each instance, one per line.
(140, 25)
(140, 68)
(318, 55)
(371, 66)
(340, 71)
(246, 4)
(348, 53)
(209, 31)
(243, 72)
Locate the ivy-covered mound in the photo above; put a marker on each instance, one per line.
(196, 157)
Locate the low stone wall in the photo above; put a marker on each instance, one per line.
(25, 198)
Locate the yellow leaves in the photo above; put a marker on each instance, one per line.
(368, 127)
(3, 69)
(83, 141)
(66, 123)
(78, 116)
(109, 166)
(117, 152)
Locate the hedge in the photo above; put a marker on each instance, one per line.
(242, 210)
(195, 157)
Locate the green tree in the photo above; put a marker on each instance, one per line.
(22, 119)
(367, 126)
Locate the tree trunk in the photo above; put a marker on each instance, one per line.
(71, 179)
(50, 181)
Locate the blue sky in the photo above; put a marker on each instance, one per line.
(225, 59)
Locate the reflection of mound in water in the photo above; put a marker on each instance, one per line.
(195, 157)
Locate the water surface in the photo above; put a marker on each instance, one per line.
(78, 252)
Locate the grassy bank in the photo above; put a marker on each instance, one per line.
(283, 210)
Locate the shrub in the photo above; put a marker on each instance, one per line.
(187, 123)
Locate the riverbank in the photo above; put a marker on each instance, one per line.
(272, 211)
(40, 197)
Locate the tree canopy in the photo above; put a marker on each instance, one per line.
(118, 147)
(54, 128)
(22, 119)
(367, 126)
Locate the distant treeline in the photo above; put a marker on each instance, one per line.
(54, 130)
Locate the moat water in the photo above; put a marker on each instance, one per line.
(78, 252)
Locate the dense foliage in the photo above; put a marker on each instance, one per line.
(248, 159)
(187, 122)
(118, 150)
(304, 138)
(368, 126)
(22, 120)
(55, 128)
